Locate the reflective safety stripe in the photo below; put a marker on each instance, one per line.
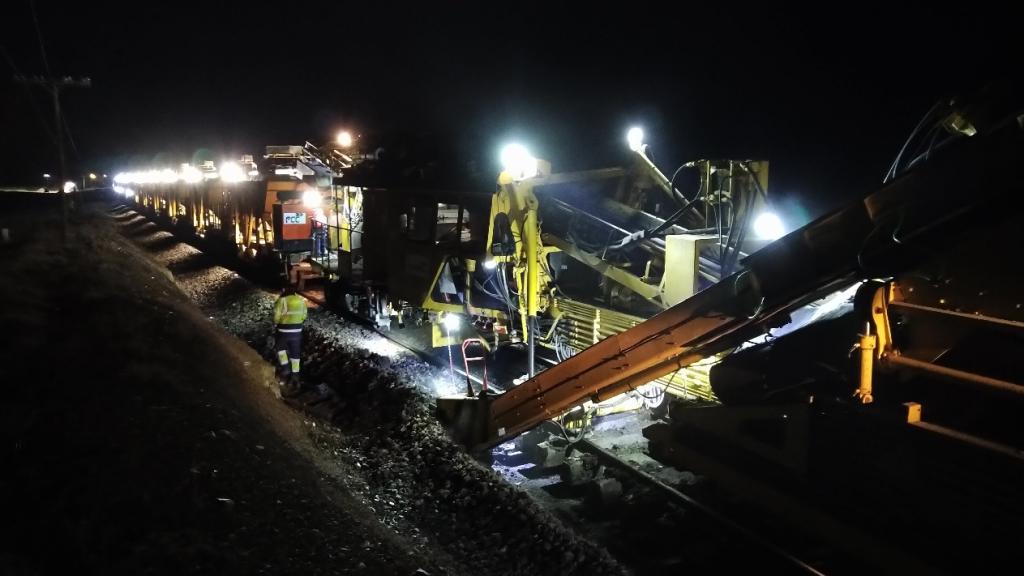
(295, 365)
(282, 357)
(289, 330)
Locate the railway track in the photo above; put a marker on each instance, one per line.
(654, 518)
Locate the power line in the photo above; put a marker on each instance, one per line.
(28, 91)
(39, 37)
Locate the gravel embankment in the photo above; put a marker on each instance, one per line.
(401, 461)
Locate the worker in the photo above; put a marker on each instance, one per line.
(319, 239)
(289, 316)
(316, 239)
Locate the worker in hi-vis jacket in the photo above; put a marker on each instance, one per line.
(289, 316)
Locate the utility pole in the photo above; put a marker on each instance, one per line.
(54, 86)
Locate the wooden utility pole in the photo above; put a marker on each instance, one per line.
(54, 86)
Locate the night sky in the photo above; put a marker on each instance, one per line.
(827, 96)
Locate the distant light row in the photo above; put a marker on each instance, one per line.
(228, 172)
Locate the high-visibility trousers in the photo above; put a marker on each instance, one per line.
(289, 350)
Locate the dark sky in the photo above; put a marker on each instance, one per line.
(826, 94)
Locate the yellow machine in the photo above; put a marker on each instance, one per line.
(557, 261)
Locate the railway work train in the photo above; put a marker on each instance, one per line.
(556, 261)
(863, 366)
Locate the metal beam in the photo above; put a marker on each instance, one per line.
(954, 374)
